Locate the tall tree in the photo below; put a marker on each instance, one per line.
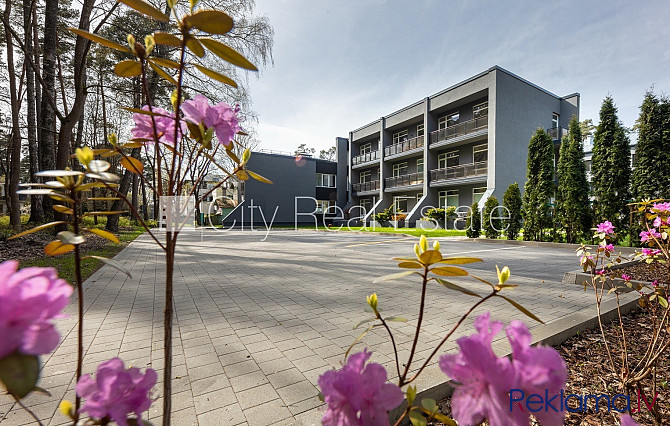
(539, 185)
(329, 154)
(491, 224)
(573, 212)
(512, 201)
(611, 168)
(651, 169)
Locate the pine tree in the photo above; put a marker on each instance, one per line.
(572, 195)
(611, 168)
(645, 181)
(491, 224)
(512, 201)
(473, 222)
(539, 185)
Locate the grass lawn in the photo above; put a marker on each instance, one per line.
(128, 231)
(415, 232)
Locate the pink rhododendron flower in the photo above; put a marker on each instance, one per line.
(116, 391)
(29, 300)
(165, 124)
(650, 252)
(484, 379)
(222, 117)
(600, 271)
(358, 394)
(606, 227)
(648, 235)
(661, 208)
(627, 420)
(609, 248)
(660, 221)
(584, 258)
(626, 277)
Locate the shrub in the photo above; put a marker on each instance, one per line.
(491, 224)
(473, 222)
(512, 201)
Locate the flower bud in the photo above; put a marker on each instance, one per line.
(140, 51)
(503, 275)
(66, 408)
(149, 43)
(436, 246)
(84, 155)
(131, 43)
(372, 301)
(417, 250)
(423, 242)
(113, 139)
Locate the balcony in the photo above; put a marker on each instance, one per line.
(477, 125)
(404, 146)
(461, 171)
(365, 158)
(373, 185)
(557, 133)
(404, 180)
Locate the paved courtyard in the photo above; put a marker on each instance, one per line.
(257, 321)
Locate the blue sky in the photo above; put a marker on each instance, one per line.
(341, 64)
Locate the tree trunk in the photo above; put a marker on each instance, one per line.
(15, 145)
(36, 211)
(47, 116)
(124, 186)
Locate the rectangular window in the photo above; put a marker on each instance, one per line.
(480, 153)
(419, 196)
(325, 180)
(481, 110)
(400, 203)
(399, 137)
(448, 198)
(365, 176)
(365, 204)
(366, 148)
(477, 194)
(399, 169)
(447, 159)
(322, 206)
(554, 121)
(441, 123)
(452, 119)
(419, 165)
(419, 130)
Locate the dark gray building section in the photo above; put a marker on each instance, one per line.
(294, 194)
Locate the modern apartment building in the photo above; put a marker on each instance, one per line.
(456, 147)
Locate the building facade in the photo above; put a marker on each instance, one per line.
(454, 148)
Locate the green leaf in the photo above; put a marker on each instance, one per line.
(410, 265)
(69, 237)
(211, 21)
(19, 373)
(449, 271)
(429, 257)
(215, 75)
(164, 62)
(142, 111)
(411, 395)
(160, 71)
(444, 419)
(146, 9)
(194, 46)
(460, 260)
(103, 234)
(62, 209)
(663, 302)
(166, 39)
(128, 68)
(98, 166)
(359, 338)
(227, 53)
(365, 321)
(113, 263)
(35, 229)
(395, 319)
(100, 40)
(107, 177)
(429, 404)
(55, 248)
(417, 419)
(35, 191)
(58, 173)
(394, 276)
(259, 177)
(453, 286)
(522, 309)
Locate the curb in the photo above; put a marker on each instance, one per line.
(627, 250)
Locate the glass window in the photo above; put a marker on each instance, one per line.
(452, 119)
(419, 130)
(325, 180)
(477, 194)
(400, 203)
(481, 110)
(399, 169)
(480, 153)
(448, 198)
(441, 123)
(365, 204)
(419, 196)
(399, 137)
(419, 165)
(322, 206)
(447, 159)
(366, 148)
(365, 176)
(554, 121)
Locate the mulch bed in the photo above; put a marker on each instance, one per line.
(647, 272)
(589, 373)
(32, 246)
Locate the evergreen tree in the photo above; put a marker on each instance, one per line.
(512, 201)
(572, 195)
(652, 166)
(473, 222)
(539, 185)
(611, 168)
(491, 223)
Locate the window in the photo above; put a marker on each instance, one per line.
(325, 180)
(400, 203)
(419, 196)
(477, 194)
(366, 148)
(480, 153)
(452, 119)
(399, 169)
(365, 204)
(419, 130)
(365, 176)
(554, 121)
(481, 110)
(419, 165)
(399, 137)
(448, 198)
(322, 206)
(447, 159)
